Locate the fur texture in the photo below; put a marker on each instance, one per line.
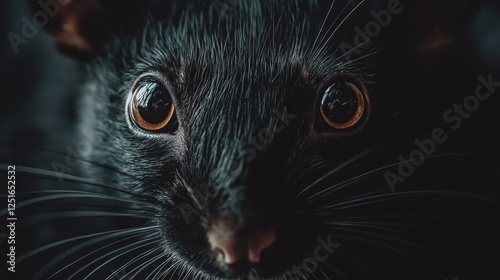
(236, 68)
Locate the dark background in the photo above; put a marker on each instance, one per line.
(39, 85)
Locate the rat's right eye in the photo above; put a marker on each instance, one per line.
(152, 108)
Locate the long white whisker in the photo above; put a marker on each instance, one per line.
(79, 214)
(342, 184)
(336, 169)
(325, 43)
(96, 237)
(150, 240)
(65, 196)
(71, 178)
(95, 251)
(123, 268)
(323, 24)
(159, 269)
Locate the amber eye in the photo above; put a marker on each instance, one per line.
(342, 105)
(152, 106)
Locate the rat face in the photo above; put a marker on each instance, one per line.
(250, 138)
(227, 147)
(226, 141)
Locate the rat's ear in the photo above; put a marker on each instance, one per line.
(83, 27)
(435, 24)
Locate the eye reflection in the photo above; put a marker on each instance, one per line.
(342, 105)
(152, 106)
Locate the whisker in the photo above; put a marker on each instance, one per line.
(123, 268)
(392, 196)
(176, 265)
(409, 243)
(82, 159)
(378, 244)
(146, 265)
(337, 169)
(343, 184)
(96, 238)
(322, 272)
(323, 24)
(79, 214)
(335, 269)
(159, 269)
(97, 250)
(155, 241)
(325, 43)
(348, 227)
(106, 235)
(340, 253)
(352, 63)
(71, 178)
(68, 195)
(119, 209)
(306, 256)
(320, 50)
(454, 225)
(407, 217)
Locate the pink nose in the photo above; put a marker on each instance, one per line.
(233, 245)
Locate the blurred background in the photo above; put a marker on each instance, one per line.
(39, 90)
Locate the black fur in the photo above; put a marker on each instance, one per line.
(230, 69)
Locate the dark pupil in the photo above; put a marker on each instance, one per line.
(153, 102)
(339, 103)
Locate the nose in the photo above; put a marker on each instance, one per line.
(233, 245)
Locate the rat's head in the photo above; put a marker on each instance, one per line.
(236, 119)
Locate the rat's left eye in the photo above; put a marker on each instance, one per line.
(343, 105)
(152, 107)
